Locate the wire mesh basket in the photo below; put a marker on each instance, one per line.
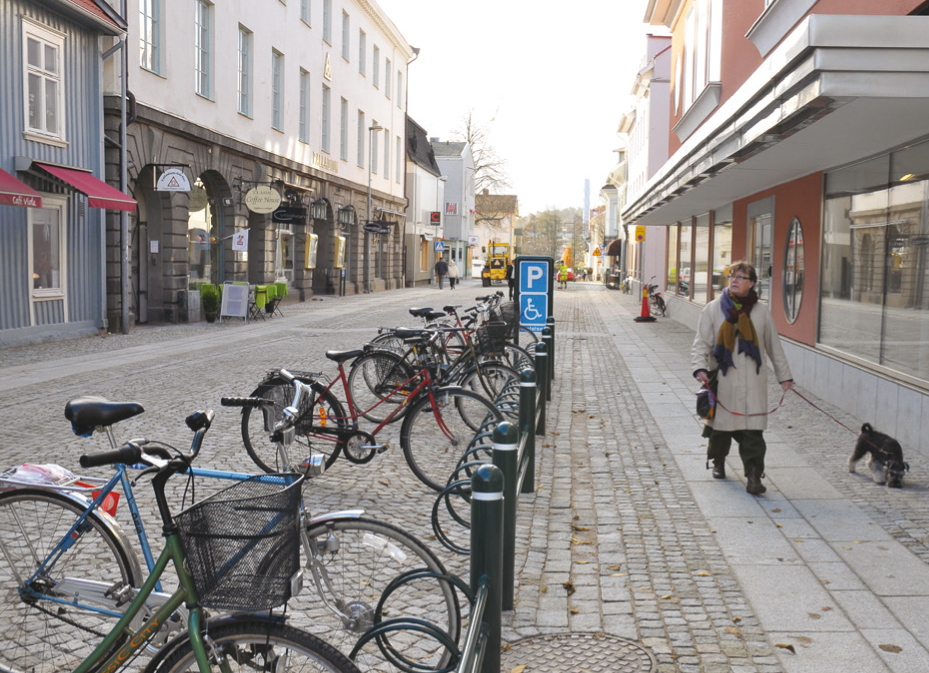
(491, 338)
(508, 313)
(243, 543)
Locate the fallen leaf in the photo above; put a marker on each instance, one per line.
(736, 619)
(383, 483)
(826, 609)
(814, 615)
(574, 611)
(803, 639)
(733, 631)
(776, 510)
(667, 597)
(582, 562)
(591, 416)
(891, 648)
(505, 648)
(575, 527)
(703, 573)
(544, 589)
(518, 669)
(779, 525)
(615, 567)
(789, 648)
(618, 574)
(569, 586)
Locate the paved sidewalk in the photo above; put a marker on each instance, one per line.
(627, 534)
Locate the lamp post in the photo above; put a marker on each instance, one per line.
(367, 256)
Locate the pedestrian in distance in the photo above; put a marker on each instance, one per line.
(510, 281)
(441, 271)
(734, 334)
(563, 276)
(452, 274)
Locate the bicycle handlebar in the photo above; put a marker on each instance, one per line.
(245, 402)
(128, 454)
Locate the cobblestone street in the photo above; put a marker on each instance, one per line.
(627, 534)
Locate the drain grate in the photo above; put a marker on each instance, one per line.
(588, 652)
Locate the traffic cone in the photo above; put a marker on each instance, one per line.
(646, 314)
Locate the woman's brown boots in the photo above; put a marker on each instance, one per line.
(754, 485)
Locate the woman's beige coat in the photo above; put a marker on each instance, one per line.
(742, 389)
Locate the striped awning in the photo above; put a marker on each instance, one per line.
(99, 194)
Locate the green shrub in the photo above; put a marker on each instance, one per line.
(210, 297)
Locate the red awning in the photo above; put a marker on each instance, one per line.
(15, 193)
(99, 194)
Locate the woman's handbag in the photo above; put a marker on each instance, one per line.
(706, 398)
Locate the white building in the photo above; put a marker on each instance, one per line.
(457, 164)
(307, 98)
(425, 192)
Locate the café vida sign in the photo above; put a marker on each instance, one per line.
(262, 200)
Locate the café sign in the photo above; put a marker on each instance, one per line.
(262, 200)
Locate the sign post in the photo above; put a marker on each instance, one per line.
(534, 287)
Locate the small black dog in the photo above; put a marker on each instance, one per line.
(886, 462)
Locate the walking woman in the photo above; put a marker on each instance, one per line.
(734, 334)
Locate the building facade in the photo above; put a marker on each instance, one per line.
(53, 198)
(495, 220)
(457, 164)
(799, 141)
(425, 193)
(303, 101)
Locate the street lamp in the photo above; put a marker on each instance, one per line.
(367, 255)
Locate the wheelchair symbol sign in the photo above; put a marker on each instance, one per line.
(534, 288)
(532, 309)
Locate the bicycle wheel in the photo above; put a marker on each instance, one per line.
(250, 644)
(489, 378)
(372, 379)
(433, 439)
(322, 410)
(353, 562)
(41, 631)
(526, 337)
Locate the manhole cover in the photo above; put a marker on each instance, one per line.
(588, 652)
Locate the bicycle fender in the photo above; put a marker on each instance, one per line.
(105, 518)
(334, 516)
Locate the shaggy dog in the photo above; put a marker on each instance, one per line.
(886, 462)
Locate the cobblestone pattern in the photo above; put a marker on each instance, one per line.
(616, 539)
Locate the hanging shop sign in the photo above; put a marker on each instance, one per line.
(173, 180)
(198, 199)
(262, 200)
(289, 215)
(376, 228)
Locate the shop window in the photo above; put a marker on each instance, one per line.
(684, 275)
(760, 232)
(793, 270)
(672, 259)
(701, 258)
(423, 254)
(722, 250)
(47, 246)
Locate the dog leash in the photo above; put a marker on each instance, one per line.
(715, 401)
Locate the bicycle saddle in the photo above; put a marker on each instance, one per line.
(87, 413)
(342, 356)
(450, 308)
(410, 333)
(435, 315)
(419, 312)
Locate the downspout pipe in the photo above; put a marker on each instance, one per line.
(123, 182)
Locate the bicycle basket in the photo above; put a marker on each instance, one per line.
(508, 313)
(243, 544)
(491, 338)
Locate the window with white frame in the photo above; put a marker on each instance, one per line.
(150, 35)
(327, 21)
(202, 40)
(327, 94)
(361, 138)
(305, 11)
(343, 131)
(46, 248)
(374, 136)
(245, 71)
(44, 101)
(346, 27)
(277, 90)
(399, 158)
(399, 89)
(362, 51)
(376, 67)
(387, 154)
(304, 104)
(387, 78)
(701, 59)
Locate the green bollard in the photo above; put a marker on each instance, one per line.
(487, 554)
(527, 397)
(506, 457)
(541, 368)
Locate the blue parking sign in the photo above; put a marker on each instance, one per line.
(534, 283)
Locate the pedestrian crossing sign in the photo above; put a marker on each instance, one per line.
(440, 246)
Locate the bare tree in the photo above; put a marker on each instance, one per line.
(489, 168)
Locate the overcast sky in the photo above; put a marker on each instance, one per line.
(554, 78)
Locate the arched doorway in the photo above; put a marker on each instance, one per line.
(207, 244)
(146, 252)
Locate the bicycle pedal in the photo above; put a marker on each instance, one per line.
(377, 448)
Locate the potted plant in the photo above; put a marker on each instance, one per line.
(209, 300)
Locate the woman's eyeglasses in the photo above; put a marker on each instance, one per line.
(731, 278)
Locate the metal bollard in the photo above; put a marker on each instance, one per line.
(487, 553)
(550, 323)
(541, 368)
(506, 457)
(527, 396)
(548, 340)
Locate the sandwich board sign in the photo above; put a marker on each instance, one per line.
(535, 285)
